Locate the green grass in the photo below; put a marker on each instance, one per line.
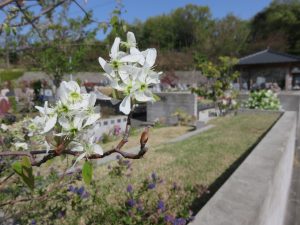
(195, 162)
(201, 159)
(10, 74)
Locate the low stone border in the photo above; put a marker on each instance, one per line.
(257, 192)
(246, 110)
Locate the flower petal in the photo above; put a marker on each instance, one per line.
(125, 105)
(115, 48)
(131, 39)
(97, 149)
(142, 96)
(151, 57)
(92, 119)
(106, 67)
(50, 123)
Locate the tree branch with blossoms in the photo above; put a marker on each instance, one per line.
(69, 126)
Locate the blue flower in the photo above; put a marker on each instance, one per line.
(85, 195)
(33, 222)
(151, 186)
(130, 202)
(179, 221)
(129, 188)
(71, 188)
(169, 219)
(154, 176)
(161, 205)
(80, 191)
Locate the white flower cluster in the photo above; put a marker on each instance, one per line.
(69, 124)
(131, 71)
(70, 120)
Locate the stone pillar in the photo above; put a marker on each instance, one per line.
(288, 80)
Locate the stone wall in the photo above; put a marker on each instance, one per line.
(257, 192)
(169, 103)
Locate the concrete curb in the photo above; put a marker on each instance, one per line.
(257, 192)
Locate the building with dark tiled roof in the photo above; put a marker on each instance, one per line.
(269, 66)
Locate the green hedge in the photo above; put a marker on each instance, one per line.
(12, 74)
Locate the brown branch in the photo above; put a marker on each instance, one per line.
(53, 153)
(28, 19)
(34, 19)
(85, 12)
(5, 3)
(6, 179)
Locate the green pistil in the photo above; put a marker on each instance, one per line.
(75, 96)
(128, 89)
(143, 87)
(73, 131)
(32, 126)
(115, 64)
(63, 109)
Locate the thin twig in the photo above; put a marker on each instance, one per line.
(28, 19)
(53, 153)
(6, 178)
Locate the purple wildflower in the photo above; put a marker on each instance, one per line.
(151, 186)
(80, 191)
(169, 219)
(161, 205)
(85, 195)
(130, 202)
(71, 188)
(179, 221)
(154, 176)
(129, 188)
(33, 222)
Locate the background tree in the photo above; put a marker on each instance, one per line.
(278, 27)
(220, 75)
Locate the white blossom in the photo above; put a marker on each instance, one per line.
(131, 72)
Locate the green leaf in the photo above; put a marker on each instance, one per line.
(114, 20)
(17, 167)
(87, 172)
(24, 170)
(6, 28)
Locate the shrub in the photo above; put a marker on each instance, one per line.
(264, 99)
(183, 117)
